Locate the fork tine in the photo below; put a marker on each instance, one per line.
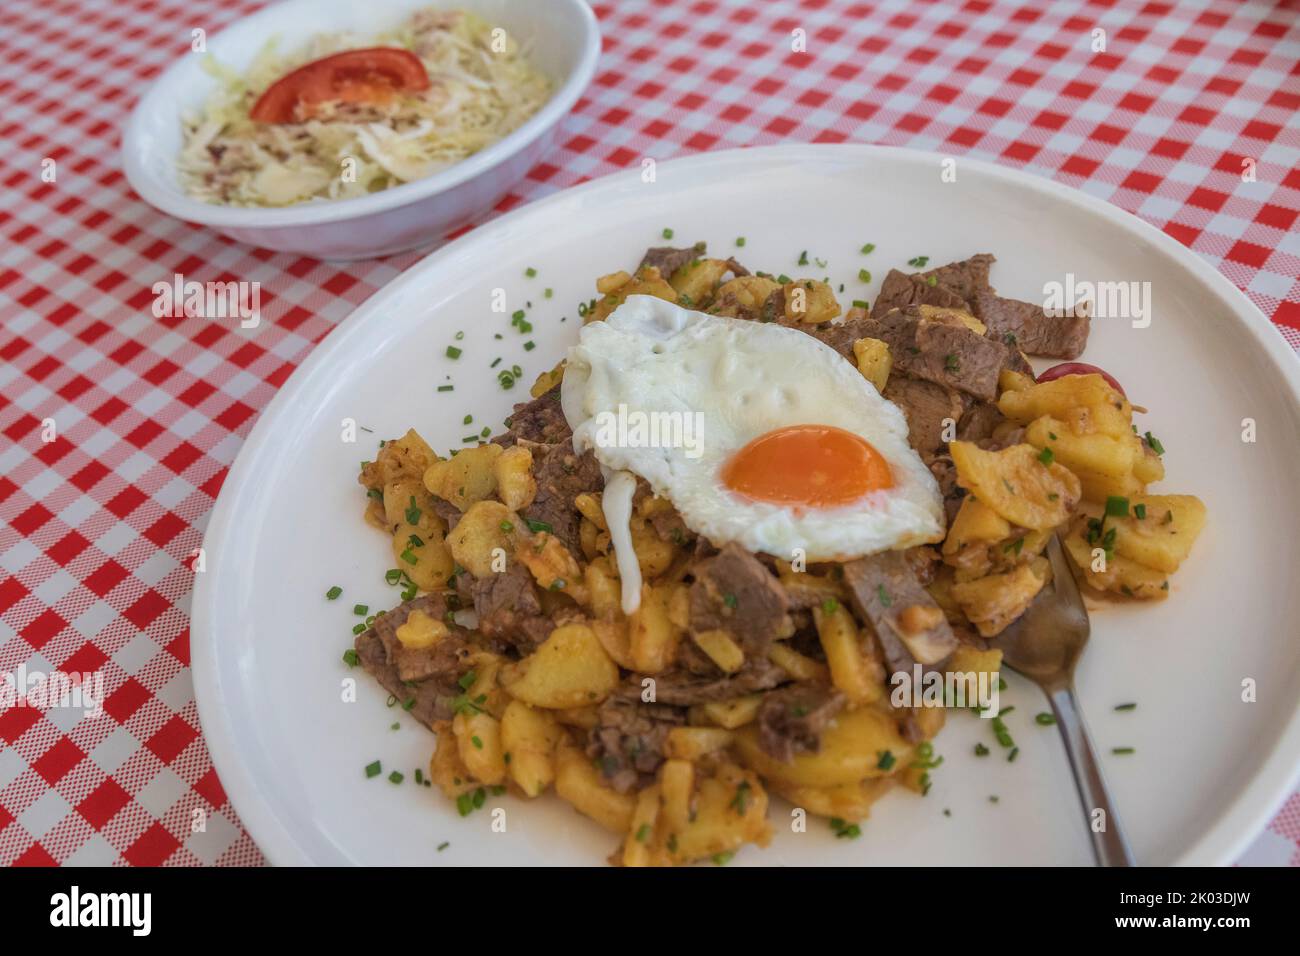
(1067, 588)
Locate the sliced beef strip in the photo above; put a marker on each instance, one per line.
(670, 527)
(681, 688)
(773, 309)
(945, 473)
(979, 421)
(959, 358)
(425, 679)
(735, 592)
(447, 511)
(882, 589)
(561, 476)
(791, 720)
(1028, 327)
(668, 259)
(508, 608)
(541, 420)
(840, 335)
(628, 740)
(965, 278)
(1016, 360)
(928, 407)
(900, 290)
(947, 354)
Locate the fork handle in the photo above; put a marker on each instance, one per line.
(1109, 846)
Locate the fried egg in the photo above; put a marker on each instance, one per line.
(757, 433)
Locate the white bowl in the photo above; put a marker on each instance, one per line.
(564, 44)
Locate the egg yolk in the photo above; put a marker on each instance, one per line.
(818, 466)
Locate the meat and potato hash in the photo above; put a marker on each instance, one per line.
(741, 674)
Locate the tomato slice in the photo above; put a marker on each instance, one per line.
(1080, 368)
(372, 75)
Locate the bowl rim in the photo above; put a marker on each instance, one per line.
(173, 201)
(1220, 843)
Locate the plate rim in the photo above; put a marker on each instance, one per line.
(1220, 844)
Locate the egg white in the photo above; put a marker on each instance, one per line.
(744, 379)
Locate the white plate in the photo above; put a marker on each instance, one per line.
(1209, 769)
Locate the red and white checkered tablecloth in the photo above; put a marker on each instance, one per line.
(96, 527)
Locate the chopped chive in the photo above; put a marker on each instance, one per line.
(881, 593)
(803, 258)
(1045, 719)
(445, 388)
(981, 750)
(667, 233)
(529, 345)
(360, 628)
(395, 777)
(1116, 506)
(830, 606)
(350, 657)
(860, 304)
(333, 592)
(374, 769)
(530, 272)
(360, 610)
(740, 241)
(507, 527)
(1140, 512)
(1129, 706)
(453, 352)
(536, 526)
(1122, 751)
(864, 275)
(1156, 447)
(870, 247)
(1046, 456)
(886, 761)
(442, 846)
(547, 293)
(918, 262)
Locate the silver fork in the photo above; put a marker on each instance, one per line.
(1044, 645)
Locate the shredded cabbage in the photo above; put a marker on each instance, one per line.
(481, 88)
